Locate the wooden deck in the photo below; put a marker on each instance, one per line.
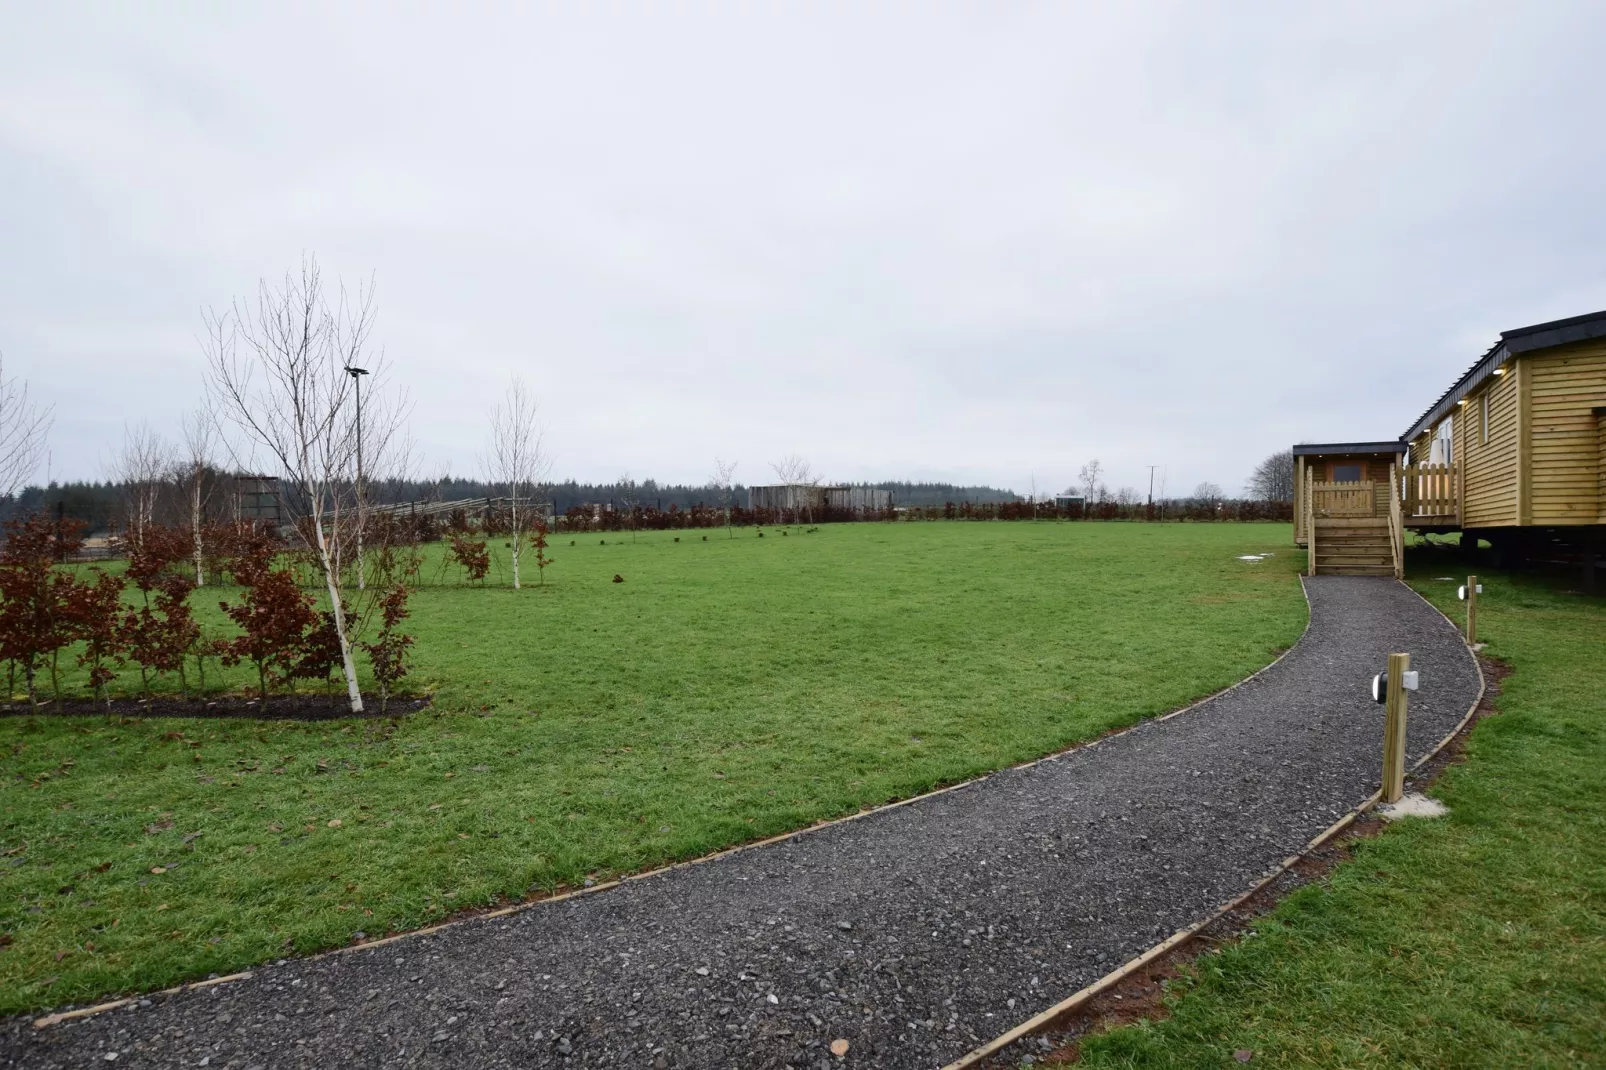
(1358, 528)
(1430, 495)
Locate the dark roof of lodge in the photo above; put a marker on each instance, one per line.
(1323, 449)
(1512, 344)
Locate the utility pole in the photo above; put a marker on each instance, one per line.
(1152, 467)
(356, 377)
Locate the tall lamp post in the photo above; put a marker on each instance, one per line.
(356, 378)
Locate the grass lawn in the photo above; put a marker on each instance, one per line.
(727, 690)
(1478, 940)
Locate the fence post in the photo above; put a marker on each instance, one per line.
(1310, 519)
(1394, 729)
(1472, 610)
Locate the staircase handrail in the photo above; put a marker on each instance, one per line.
(1396, 525)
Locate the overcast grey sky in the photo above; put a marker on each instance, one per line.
(918, 240)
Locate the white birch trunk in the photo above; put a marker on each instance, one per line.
(347, 664)
(516, 546)
(195, 530)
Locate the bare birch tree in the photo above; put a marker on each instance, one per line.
(629, 492)
(200, 430)
(1088, 477)
(518, 458)
(23, 430)
(793, 470)
(724, 483)
(278, 370)
(141, 467)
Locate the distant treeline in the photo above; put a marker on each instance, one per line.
(649, 518)
(568, 494)
(103, 506)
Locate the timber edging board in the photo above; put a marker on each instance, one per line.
(1043, 1020)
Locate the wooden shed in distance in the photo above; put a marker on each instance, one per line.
(1514, 452)
(816, 498)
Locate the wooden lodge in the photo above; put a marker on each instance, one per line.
(1514, 452)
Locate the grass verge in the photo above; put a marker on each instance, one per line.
(1477, 940)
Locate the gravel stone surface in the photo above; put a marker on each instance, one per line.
(915, 933)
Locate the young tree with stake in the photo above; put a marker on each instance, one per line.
(199, 431)
(278, 370)
(794, 470)
(629, 492)
(724, 483)
(142, 465)
(518, 458)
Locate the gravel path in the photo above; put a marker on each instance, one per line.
(915, 933)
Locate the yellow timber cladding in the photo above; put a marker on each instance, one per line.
(1529, 444)
(1567, 388)
(1600, 441)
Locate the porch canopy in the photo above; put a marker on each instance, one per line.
(1348, 462)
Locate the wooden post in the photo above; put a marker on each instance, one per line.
(1472, 610)
(1299, 498)
(1394, 729)
(1310, 520)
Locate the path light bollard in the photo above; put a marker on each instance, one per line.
(1390, 689)
(1469, 594)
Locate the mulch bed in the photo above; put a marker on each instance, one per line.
(278, 708)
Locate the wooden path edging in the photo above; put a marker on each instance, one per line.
(48, 1020)
(1069, 1005)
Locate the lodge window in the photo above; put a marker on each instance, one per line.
(1346, 473)
(1483, 418)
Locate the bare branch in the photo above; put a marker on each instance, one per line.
(24, 428)
(141, 467)
(794, 469)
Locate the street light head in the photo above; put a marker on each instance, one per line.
(354, 372)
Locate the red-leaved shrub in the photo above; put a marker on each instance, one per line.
(36, 619)
(388, 651)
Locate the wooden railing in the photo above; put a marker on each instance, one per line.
(1343, 499)
(1430, 490)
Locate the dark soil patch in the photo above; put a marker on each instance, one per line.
(1141, 995)
(278, 708)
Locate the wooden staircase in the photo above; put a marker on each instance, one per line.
(1354, 528)
(1354, 546)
